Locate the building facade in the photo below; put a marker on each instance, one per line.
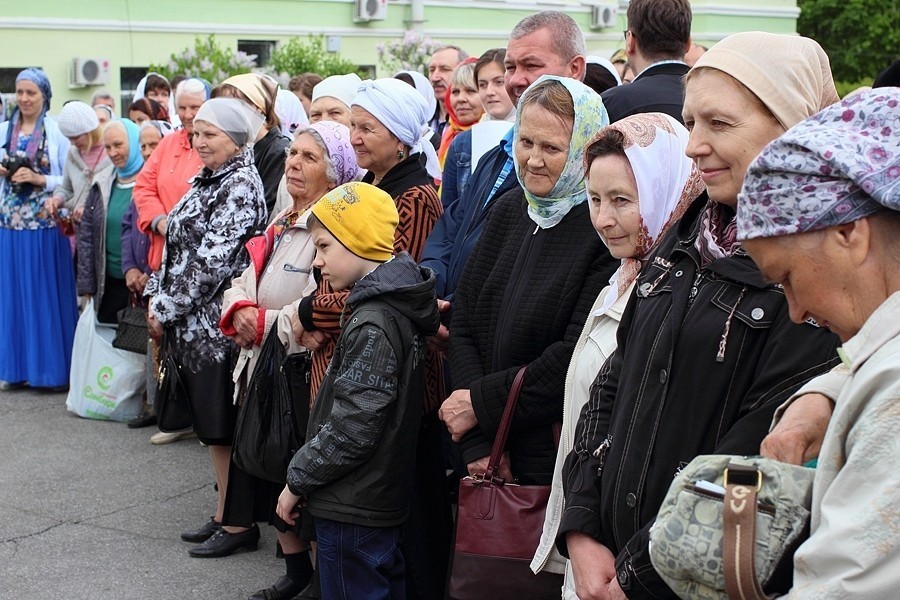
(125, 36)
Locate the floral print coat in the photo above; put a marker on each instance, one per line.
(204, 250)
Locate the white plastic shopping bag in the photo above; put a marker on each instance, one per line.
(105, 382)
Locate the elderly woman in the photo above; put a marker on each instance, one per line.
(706, 350)
(164, 180)
(101, 272)
(538, 250)
(204, 250)
(266, 294)
(639, 184)
(332, 98)
(151, 134)
(37, 289)
(87, 159)
(819, 213)
(387, 138)
(259, 92)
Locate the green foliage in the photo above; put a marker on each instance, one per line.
(207, 59)
(310, 56)
(845, 87)
(861, 37)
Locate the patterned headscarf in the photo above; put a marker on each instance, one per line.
(568, 192)
(38, 78)
(667, 183)
(401, 109)
(135, 160)
(336, 137)
(838, 166)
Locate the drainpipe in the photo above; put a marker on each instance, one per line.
(417, 21)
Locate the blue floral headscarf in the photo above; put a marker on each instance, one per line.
(568, 192)
(135, 160)
(838, 166)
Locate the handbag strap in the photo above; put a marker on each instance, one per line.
(505, 422)
(742, 484)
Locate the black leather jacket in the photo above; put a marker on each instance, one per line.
(704, 358)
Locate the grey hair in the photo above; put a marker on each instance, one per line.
(330, 172)
(191, 86)
(102, 95)
(568, 39)
(461, 54)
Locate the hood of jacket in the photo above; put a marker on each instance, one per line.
(406, 287)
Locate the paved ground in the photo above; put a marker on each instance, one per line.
(90, 510)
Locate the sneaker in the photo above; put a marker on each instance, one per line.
(161, 437)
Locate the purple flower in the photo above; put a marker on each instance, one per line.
(848, 115)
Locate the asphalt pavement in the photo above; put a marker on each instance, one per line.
(91, 510)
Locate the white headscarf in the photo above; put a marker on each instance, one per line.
(234, 117)
(402, 110)
(141, 91)
(603, 62)
(290, 112)
(341, 87)
(423, 86)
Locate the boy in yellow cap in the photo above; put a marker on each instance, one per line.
(354, 472)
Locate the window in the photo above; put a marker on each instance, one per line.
(8, 88)
(129, 78)
(261, 48)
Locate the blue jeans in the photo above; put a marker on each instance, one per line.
(356, 562)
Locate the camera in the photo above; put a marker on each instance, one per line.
(13, 163)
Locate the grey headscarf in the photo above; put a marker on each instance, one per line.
(232, 116)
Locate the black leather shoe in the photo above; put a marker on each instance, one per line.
(312, 591)
(204, 533)
(142, 420)
(223, 543)
(284, 589)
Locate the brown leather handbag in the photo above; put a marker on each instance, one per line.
(498, 529)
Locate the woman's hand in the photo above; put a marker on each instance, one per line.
(52, 204)
(797, 438)
(441, 340)
(245, 323)
(135, 280)
(457, 414)
(288, 508)
(77, 214)
(480, 467)
(154, 327)
(593, 567)
(163, 226)
(26, 175)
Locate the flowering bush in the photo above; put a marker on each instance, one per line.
(297, 56)
(412, 53)
(208, 60)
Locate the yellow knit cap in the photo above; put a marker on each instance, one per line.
(362, 217)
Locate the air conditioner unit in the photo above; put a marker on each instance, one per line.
(604, 16)
(370, 10)
(89, 71)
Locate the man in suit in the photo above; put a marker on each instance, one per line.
(657, 38)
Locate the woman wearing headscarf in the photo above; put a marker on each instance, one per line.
(538, 250)
(639, 183)
(87, 159)
(464, 110)
(388, 118)
(101, 271)
(157, 88)
(267, 293)
(289, 109)
(332, 98)
(259, 92)
(706, 350)
(204, 250)
(37, 291)
(151, 133)
(819, 212)
(423, 86)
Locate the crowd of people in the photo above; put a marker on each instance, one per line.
(692, 250)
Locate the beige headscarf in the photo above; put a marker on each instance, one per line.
(790, 74)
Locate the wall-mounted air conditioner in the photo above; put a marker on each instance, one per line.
(89, 71)
(370, 10)
(604, 16)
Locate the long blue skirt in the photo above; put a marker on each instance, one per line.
(38, 309)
